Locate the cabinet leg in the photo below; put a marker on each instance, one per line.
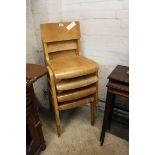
(106, 120)
(43, 147)
(111, 100)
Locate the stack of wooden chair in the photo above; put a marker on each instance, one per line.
(73, 78)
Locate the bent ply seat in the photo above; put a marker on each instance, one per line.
(76, 82)
(76, 103)
(73, 78)
(72, 95)
(73, 66)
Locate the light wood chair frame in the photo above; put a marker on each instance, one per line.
(52, 81)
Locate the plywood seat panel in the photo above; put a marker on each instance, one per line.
(73, 66)
(77, 103)
(76, 94)
(76, 82)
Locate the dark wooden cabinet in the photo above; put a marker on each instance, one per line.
(34, 135)
(118, 85)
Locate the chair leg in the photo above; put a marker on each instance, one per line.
(93, 110)
(57, 115)
(57, 118)
(96, 95)
(95, 105)
(92, 113)
(55, 102)
(96, 98)
(96, 102)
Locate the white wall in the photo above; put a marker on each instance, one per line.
(31, 43)
(45, 11)
(104, 28)
(39, 11)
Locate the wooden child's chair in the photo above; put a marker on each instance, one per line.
(73, 78)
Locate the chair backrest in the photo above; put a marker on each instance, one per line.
(60, 39)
